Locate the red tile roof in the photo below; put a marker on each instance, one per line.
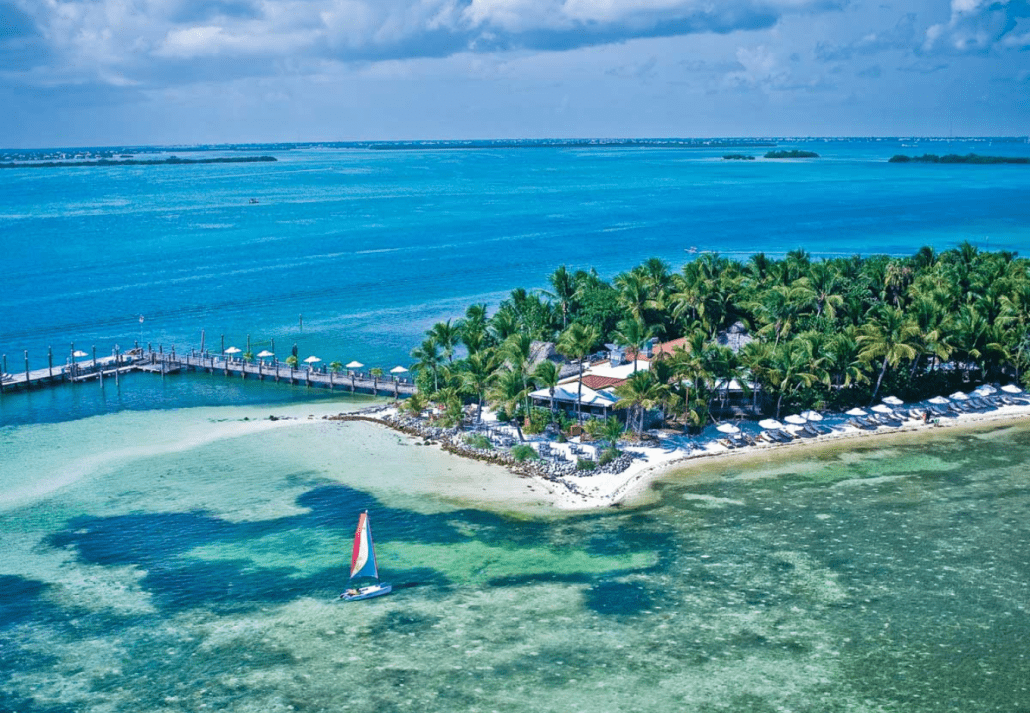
(595, 382)
(665, 348)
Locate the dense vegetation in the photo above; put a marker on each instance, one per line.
(828, 333)
(955, 158)
(795, 153)
(738, 157)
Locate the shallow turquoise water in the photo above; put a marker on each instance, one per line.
(166, 547)
(197, 569)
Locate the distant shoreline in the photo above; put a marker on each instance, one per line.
(171, 161)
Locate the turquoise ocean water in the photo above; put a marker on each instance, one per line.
(166, 547)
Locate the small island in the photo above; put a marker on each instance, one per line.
(955, 158)
(793, 153)
(170, 161)
(737, 157)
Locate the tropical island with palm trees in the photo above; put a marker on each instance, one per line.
(662, 365)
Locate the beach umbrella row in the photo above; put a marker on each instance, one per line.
(264, 354)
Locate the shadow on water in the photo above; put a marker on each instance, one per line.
(160, 543)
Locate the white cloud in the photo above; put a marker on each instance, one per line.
(144, 39)
(978, 26)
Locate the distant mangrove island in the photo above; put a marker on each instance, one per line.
(955, 158)
(737, 157)
(794, 153)
(170, 161)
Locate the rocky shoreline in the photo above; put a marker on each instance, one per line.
(453, 441)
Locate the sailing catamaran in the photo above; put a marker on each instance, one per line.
(363, 565)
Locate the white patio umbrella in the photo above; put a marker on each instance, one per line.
(264, 353)
(985, 390)
(893, 401)
(78, 354)
(1011, 389)
(938, 400)
(312, 360)
(958, 396)
(882, 408)
(727, 428)
(856, 412)
(812, 415)
(398, 370)
(796, 419)
(770, 423)
(355, 365)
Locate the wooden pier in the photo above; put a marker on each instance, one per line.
(166, 363)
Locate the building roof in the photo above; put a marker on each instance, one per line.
(569, 394)
(665, 348)
(596, 381)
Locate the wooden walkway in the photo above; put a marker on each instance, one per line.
(354, 381)
(163, 363)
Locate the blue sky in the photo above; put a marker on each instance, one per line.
(102, 72)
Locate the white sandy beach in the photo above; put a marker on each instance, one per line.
(594, 489)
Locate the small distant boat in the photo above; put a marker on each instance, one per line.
(253, 201)
(363, 566)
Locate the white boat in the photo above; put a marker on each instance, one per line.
(363, 568)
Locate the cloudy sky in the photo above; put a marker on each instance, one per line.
(102, 72)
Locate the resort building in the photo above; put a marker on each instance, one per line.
(604, 374)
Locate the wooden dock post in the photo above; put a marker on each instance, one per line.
(27, 384)
(50, 361)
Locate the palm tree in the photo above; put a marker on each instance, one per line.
(427, 356)
(563, 289)
(888, 334)
(377, 374)
(793, 365)
(575, 343)
(480, 371)
(447, 336)
(508, 390)
(632, 332)
(546, 375)
(473, 328)
(518, 351)
(841, 353)
(612, 431)
(781, 306)
(638, 393)
(334, 368)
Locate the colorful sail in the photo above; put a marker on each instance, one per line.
(363, 559)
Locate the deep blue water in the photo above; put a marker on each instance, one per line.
(353, 253)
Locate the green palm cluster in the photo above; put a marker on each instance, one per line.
(825, 333)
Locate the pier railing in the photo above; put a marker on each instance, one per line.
(354, 381)
(161, 362)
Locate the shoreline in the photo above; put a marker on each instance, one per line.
(650, 464)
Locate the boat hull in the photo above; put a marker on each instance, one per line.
(376, 590)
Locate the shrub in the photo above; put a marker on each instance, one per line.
(523, 452)
(538, 420)
(585, 464)
(607, 456)
(478, 440)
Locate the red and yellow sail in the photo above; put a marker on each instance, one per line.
(363, 558)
